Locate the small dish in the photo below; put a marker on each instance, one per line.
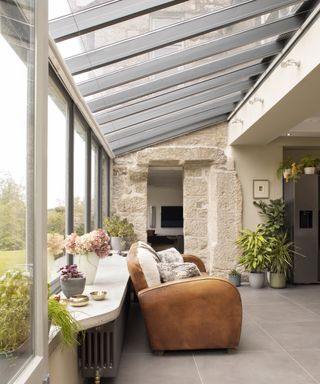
(79, 300)
(98, 295)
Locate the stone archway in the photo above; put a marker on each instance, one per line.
(211, 193)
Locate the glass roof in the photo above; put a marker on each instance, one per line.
(145, 66)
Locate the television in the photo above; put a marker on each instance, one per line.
(171, 217)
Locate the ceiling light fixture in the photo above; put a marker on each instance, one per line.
(256, 99)
(290, 62)
(235, 121)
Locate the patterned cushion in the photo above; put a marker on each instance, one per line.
(170, 255)
(148, 262)
(177, 271)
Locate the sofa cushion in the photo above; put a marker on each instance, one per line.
(177, 271)
(170, 255)
(148, 261)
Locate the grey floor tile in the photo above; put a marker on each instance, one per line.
(136, 340)
(251, 368)
(310, 360)
(172, 368)
(280, 312)
(254, 339)
(302, 293)
(295, 336)
(260, 296)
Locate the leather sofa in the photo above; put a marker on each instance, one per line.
(195, 313)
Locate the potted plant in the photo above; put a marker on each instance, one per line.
(59, 316)
(289, 170)
(87, 250)
(235, 277)
(309, 164)
(72, 281)
(281, 260)
(284, 169)
(256, 254)
(15, 311)
(120, 231)
(273, 213)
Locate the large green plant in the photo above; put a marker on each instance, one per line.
(273, 214)
(282, 254)
(255, 249)
(117, 227)
(14, 310)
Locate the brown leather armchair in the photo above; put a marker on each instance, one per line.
(196, 313)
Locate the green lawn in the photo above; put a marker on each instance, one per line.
(11, 259)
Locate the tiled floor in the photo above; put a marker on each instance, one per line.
(280, 344)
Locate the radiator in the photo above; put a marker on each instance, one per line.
(100, 347)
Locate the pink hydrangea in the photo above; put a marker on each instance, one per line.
(96, 241)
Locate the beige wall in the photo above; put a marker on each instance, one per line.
(257, 163)
(262, 162)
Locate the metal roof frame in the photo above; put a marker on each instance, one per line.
(195, 73)
(215, 93)
(186, 122)
(190, 99)
(190, 112)
(160, 137)
(164, 63)
(103, 15)
(168, 97)
(96, 58)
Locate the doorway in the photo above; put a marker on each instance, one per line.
(165, 208)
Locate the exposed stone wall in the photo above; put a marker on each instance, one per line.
(211, 193)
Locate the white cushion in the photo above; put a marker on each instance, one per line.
(148, 263)
(170, 255)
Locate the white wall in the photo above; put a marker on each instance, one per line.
(164, 195)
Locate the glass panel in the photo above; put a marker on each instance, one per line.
(16, 194)
(105, 189)
(57, 132)
(79, 176)
(144, 24)
(94, 185)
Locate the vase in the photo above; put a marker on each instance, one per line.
(309, 170)
(277, 280)
(72, 286)
(235, 280)
(88, 265)
(257, 279)
(118, 243)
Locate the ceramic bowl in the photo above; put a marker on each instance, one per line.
(79, 300)
(98, 295)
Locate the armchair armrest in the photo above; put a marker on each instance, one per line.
(196, 313)
(196, 260)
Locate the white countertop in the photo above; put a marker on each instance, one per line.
(112, 276)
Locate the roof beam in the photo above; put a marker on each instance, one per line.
(140, 106)
(195, 73)
(177, 105)
(169, 135)
(172, 126)
(168, 119)
(186, 56)
(178, 32)
(103, 15)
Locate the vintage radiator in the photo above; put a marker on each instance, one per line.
(100, 347)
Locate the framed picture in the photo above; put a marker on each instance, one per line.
(261, 189)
